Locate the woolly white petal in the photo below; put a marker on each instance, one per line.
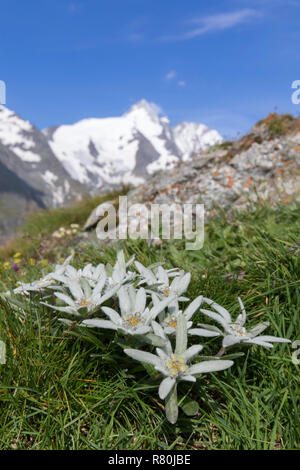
(203, 332)
(209, 366)
(75, 289)
(68, 300)
(256, 330)
(141, 330)
(113, 315)
(100, 284)
(162, 276)
(143, 356)
(157, 329)
(243, 317)
(124, 301)
(225, 314)
(216, 317)
(230, 340)
(140, 302)
(274, 339)
(97, 323)
(162, 354)
(188, 378)
(193, 307)
(260, 343)
(192, 352)
(160, 307)
(181, 283)
(146, 273)
(165, 387)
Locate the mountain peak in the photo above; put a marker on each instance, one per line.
(145, 107)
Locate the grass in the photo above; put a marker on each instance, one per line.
(39, 225)
(279, 124)
(59, 391)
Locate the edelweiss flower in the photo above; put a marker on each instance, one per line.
(162, 275)
(169, 319)
(45, 282)
(119, 274)
(234, 332)
(135, 318)
(90, 273)
(174, 366)
(160, 281)
(84, 296)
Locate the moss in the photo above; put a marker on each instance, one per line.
(222, 146)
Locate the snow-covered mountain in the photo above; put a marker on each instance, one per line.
(191, 138)
(110, 151)
(25, 152)
(31, 176)
(53, 167)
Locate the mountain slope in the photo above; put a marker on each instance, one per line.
(263, 165)
(31, 176)
(24, 151)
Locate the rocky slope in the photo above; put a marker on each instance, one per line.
(263, 165)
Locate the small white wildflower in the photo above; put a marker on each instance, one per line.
(150, 277)
(83, 296)
(160, 281)
(135, 317)
(169, 319)
(45, 282)
(90, 273)
(174, 366)
(234, 332)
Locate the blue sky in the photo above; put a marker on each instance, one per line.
(226, 63)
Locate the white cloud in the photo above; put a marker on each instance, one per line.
(218, 22)
(170, 75)
(173, 74)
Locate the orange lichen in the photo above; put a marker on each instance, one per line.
(248, 182)
(229, 181)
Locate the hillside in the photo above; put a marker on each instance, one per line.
(62, 389)
(263, 165)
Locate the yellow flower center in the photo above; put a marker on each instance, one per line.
(134, 321)
(167, 292)
(176, 365)
(84, 303)
(171, 321)
(239, 330)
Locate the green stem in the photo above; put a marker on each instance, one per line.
(172, 406)
(221, 352)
